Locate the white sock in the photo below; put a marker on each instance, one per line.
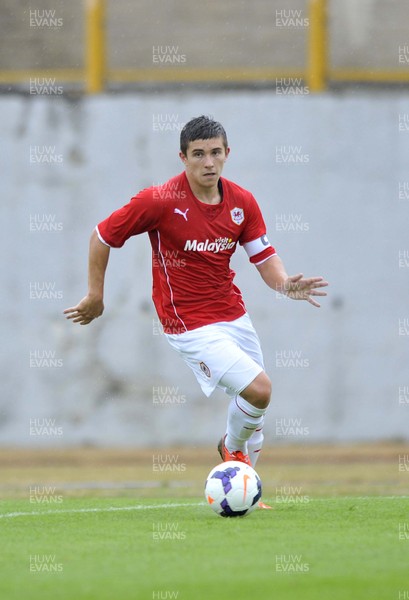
(255, 443)
(242, 420)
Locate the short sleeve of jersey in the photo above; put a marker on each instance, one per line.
(254, 223)
(253, 236)
(140, 215)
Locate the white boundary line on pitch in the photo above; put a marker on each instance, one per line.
(39, 513)
(36, 513)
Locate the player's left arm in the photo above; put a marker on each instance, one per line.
(296, 287)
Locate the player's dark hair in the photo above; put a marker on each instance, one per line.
(201, 128)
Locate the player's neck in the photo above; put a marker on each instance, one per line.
(206, 195)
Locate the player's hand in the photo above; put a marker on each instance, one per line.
(90, 308)
(298, 288)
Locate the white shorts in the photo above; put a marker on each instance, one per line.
(225, 355)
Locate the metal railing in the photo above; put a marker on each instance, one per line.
(96, 76)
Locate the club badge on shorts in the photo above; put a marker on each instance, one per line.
(205, 369)
(237, 215)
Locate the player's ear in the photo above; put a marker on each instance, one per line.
(227, 150)
(182, 157)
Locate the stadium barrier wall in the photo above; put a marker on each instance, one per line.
(96, 45)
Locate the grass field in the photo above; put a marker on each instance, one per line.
(85, 524)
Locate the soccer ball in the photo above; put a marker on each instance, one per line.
(233, 489)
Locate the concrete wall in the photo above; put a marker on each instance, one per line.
(331, 175)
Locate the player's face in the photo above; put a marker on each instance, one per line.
(204, 161)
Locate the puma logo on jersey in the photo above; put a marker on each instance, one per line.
(177, 211)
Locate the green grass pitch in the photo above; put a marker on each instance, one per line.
(122, 548)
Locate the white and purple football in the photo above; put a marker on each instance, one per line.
(233, 489)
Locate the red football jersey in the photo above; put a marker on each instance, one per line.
(192, 243)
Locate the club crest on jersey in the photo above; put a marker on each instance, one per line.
(237, 215)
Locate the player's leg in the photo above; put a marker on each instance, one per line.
(228, 355)
(258, 394)
(246, 420)
(246, 410)
(255, 443)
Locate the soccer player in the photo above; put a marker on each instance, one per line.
(195, 222)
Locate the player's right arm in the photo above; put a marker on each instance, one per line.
(92, 306)
(141, 214)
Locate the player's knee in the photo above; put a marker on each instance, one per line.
(258, 393)
(264, 394)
